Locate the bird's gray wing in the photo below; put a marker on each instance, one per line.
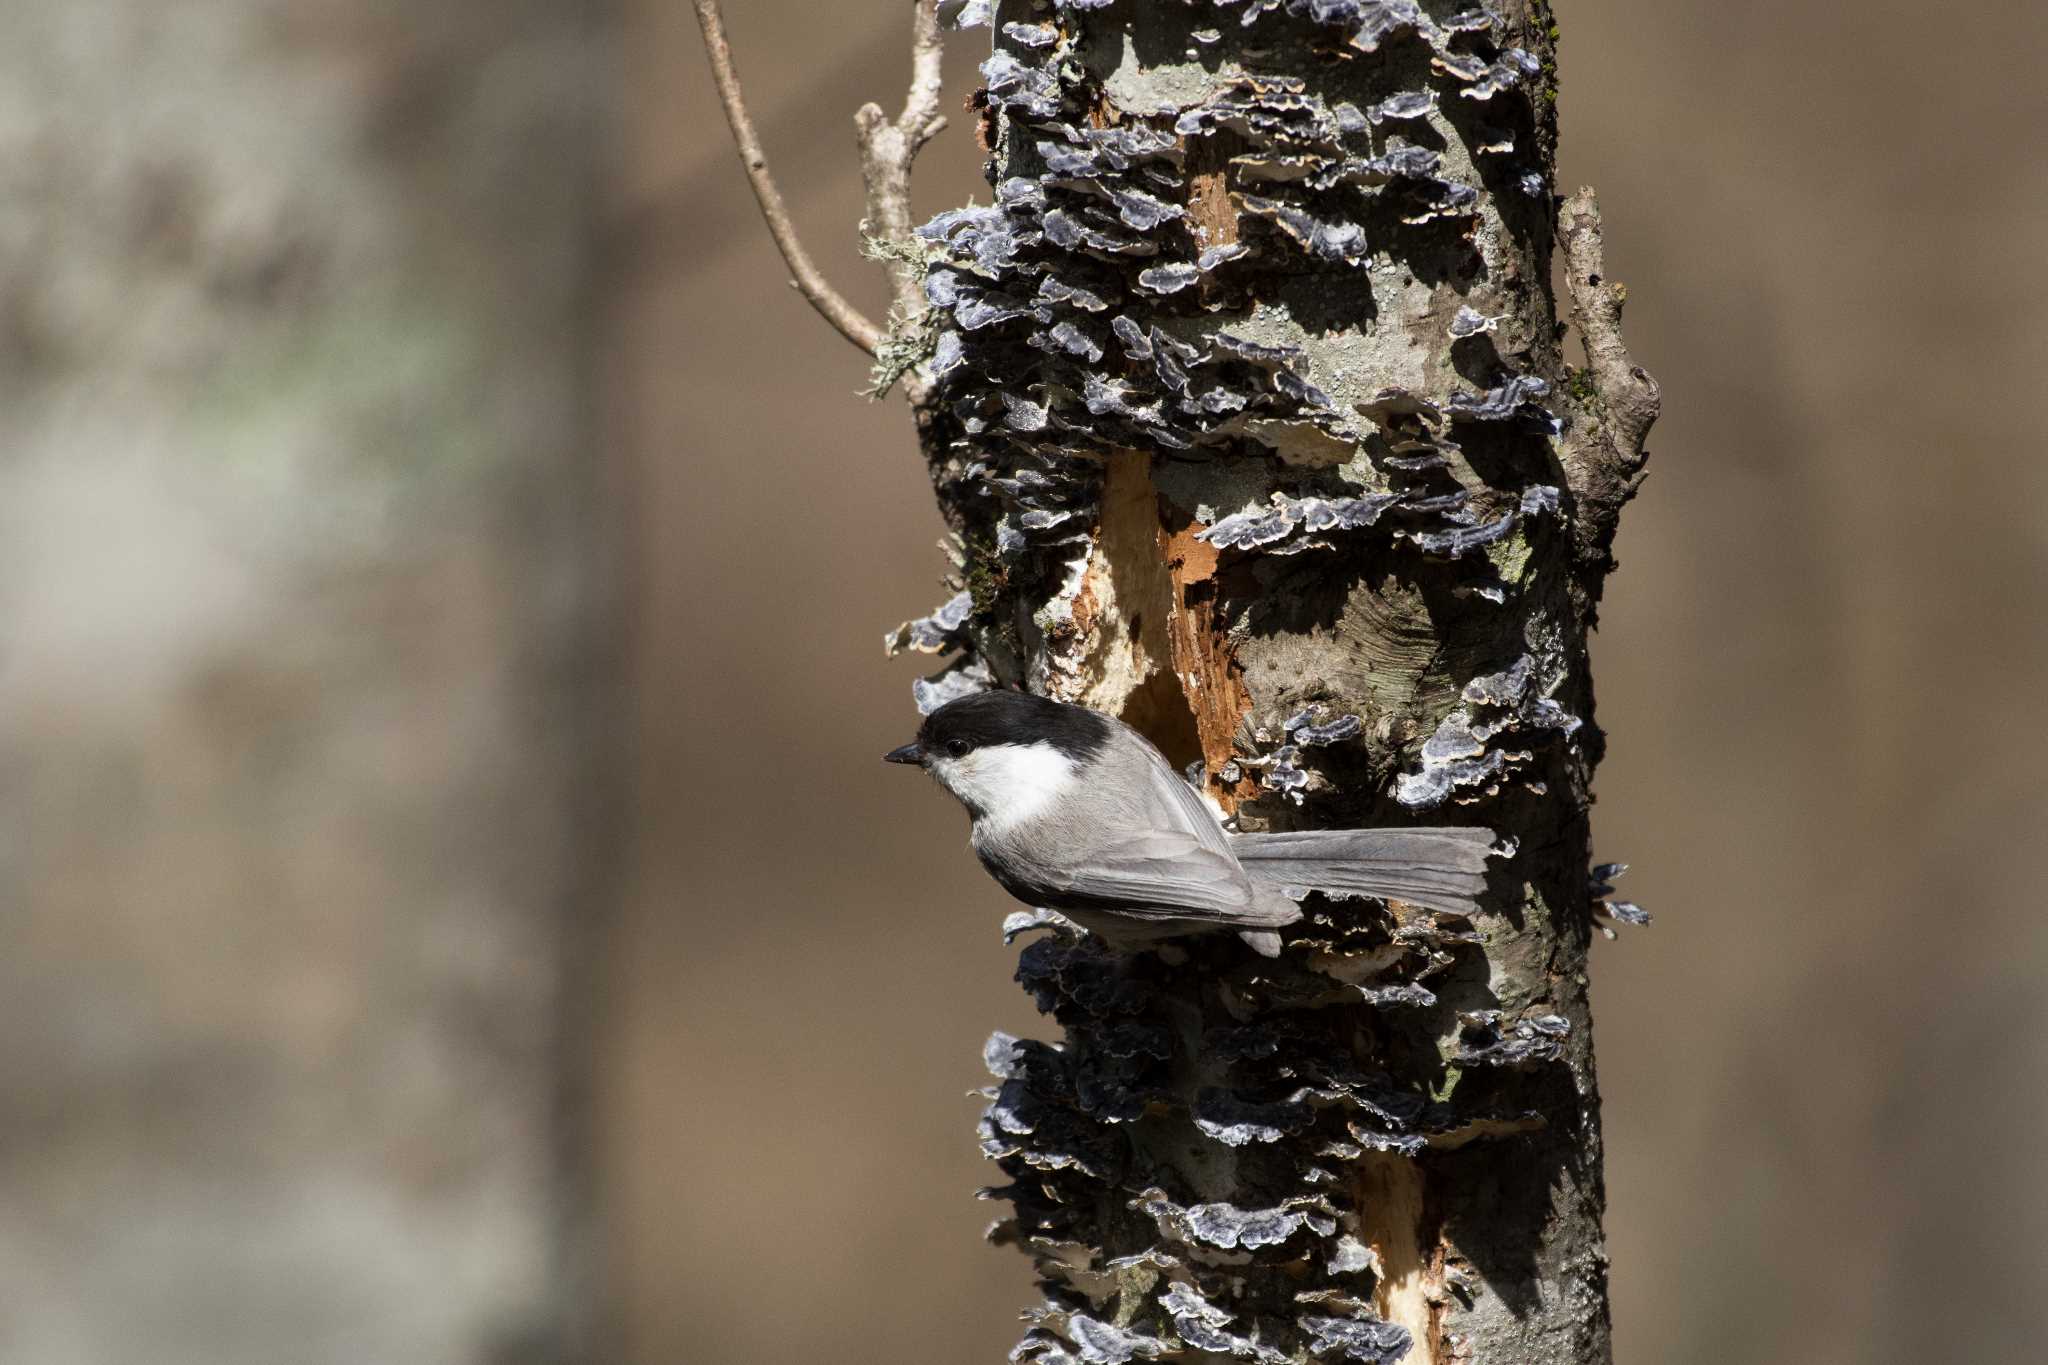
(1173, 804)
(1166, 875)
(1198, 819)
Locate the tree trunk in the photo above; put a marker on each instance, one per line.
(1248, 409)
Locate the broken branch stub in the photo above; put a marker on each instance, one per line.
(1616, 404)
(888, 151)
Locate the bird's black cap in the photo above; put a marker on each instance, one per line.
(985, 718)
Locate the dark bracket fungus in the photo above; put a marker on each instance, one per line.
(1485, 1042)
(1281, 770)
(1227, 1227)
(1285, 775)
(1628, 912)
(938, 633)
(1302, 729)
(1600, 885)
(1242, 395)
(1470, 322)
(962, 678)
(1206, 1327)
(1462, 758)
(1252, 530)
(1375, 1343)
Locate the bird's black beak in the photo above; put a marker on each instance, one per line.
(908, 753)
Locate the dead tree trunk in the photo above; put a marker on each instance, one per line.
(1246, 402)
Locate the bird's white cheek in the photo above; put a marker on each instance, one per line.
(1007, 783)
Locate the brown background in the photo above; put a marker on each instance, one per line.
(325, 324)
(1820, 669)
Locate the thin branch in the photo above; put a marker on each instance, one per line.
(809, 282)
(887, 149)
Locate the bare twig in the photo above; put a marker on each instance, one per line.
(809, 282)
(887, 149)
(1604, 456)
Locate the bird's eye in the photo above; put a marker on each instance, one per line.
(957, 747)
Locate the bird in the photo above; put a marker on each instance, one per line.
(1077, 812)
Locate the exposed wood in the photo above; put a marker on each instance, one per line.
(1391, 1220)
(1204, 663)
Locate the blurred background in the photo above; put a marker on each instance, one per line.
(454, 910)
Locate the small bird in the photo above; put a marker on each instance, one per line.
(1077, 812)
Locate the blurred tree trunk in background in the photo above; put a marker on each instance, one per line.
(303, 779)
(1251, 417)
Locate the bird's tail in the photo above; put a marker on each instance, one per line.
(1442, 869)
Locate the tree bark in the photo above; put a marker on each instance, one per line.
(1248, 409)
